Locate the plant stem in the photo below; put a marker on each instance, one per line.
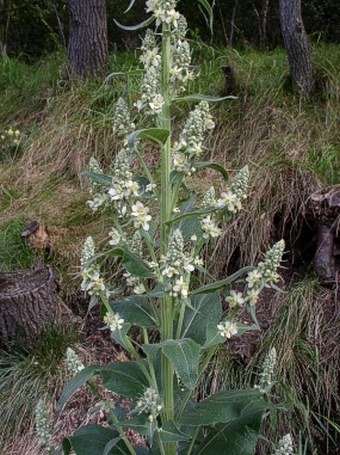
(167, 371)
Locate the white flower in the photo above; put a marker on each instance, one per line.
(285, 446)
(156, 104)
(180, 288)
(150, 187)
(254, 279)
(252, 296)
(235, 299)
(115, 237)
(139, 289)
(140, 212)
(113, 321)
(131, 188)
(210, 228)
(116, 192)
(228, 200)
(87, 252)
(170, 271)
(227, 329)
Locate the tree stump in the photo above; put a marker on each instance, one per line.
(325, 206)
(28, 305)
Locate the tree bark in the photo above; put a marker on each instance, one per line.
(88, 46)
(28, 305)
(296, 44)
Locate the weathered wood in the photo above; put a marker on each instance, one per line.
(28, 305)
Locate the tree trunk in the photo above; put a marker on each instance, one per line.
(296, 44)
(87, 47)
(28, 305)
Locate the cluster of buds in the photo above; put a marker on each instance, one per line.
(265, 274)
(124, 189)
(150, 403)
(92, 282)
(73, 362)
(164, 11)
(10, 137)
(42, 422)
(180, 70)
(113, 321)
(285, 446)
(227, 328)
(177, 265)
(122, 124)
(151, 100)
(189, 145)
(231, 200)
(99, 197)
(208, 224)
(267, 373)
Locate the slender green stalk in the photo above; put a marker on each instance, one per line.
(167, 371)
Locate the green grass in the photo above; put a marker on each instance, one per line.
(27, 377)
(14, 252)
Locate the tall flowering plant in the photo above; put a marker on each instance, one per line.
(164, 276)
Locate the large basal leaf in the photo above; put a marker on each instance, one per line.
(124, 378)
(92, 440)
(136, 310)
(184, 355)
(211, 165)
(203, 308)
(238, 437)
(103, 179)
(224, 407)
(76, 382)
(213, 287)
(157, 136)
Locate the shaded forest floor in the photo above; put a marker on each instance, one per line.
(292, 149)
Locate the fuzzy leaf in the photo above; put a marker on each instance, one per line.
(131, 28)
(203, 308)
(132, 263)
(124, 378)
(92, 440)
(132, 2)
(213, 287)
(157, 136)
(76, 382)
(184, 354)
(234, 438)
(224, 407)
(212, 165)
(193, 214)
(135, 309)
(210, 99)
(171, 433)
(103, 179)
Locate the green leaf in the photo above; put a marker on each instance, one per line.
(132, 263)
(132, 2)
(139, 423)
(209, 99)
(213, 287)
(131, 28)
(238, 437)
(90, 440)
(184, 354)
(143, 182)
(76, 382)
(211, 165)
(203, 308)
(193, 214)
(189, 226)
(224, 407)
(120, 336)
(157, 136)
(171, 433)
(103, 179)
(110, 445)
(135, 309)
(124, 378)
(209, 11)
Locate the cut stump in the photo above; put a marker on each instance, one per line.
(28, 305)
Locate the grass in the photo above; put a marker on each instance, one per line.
(27, 377)
(14, 252)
